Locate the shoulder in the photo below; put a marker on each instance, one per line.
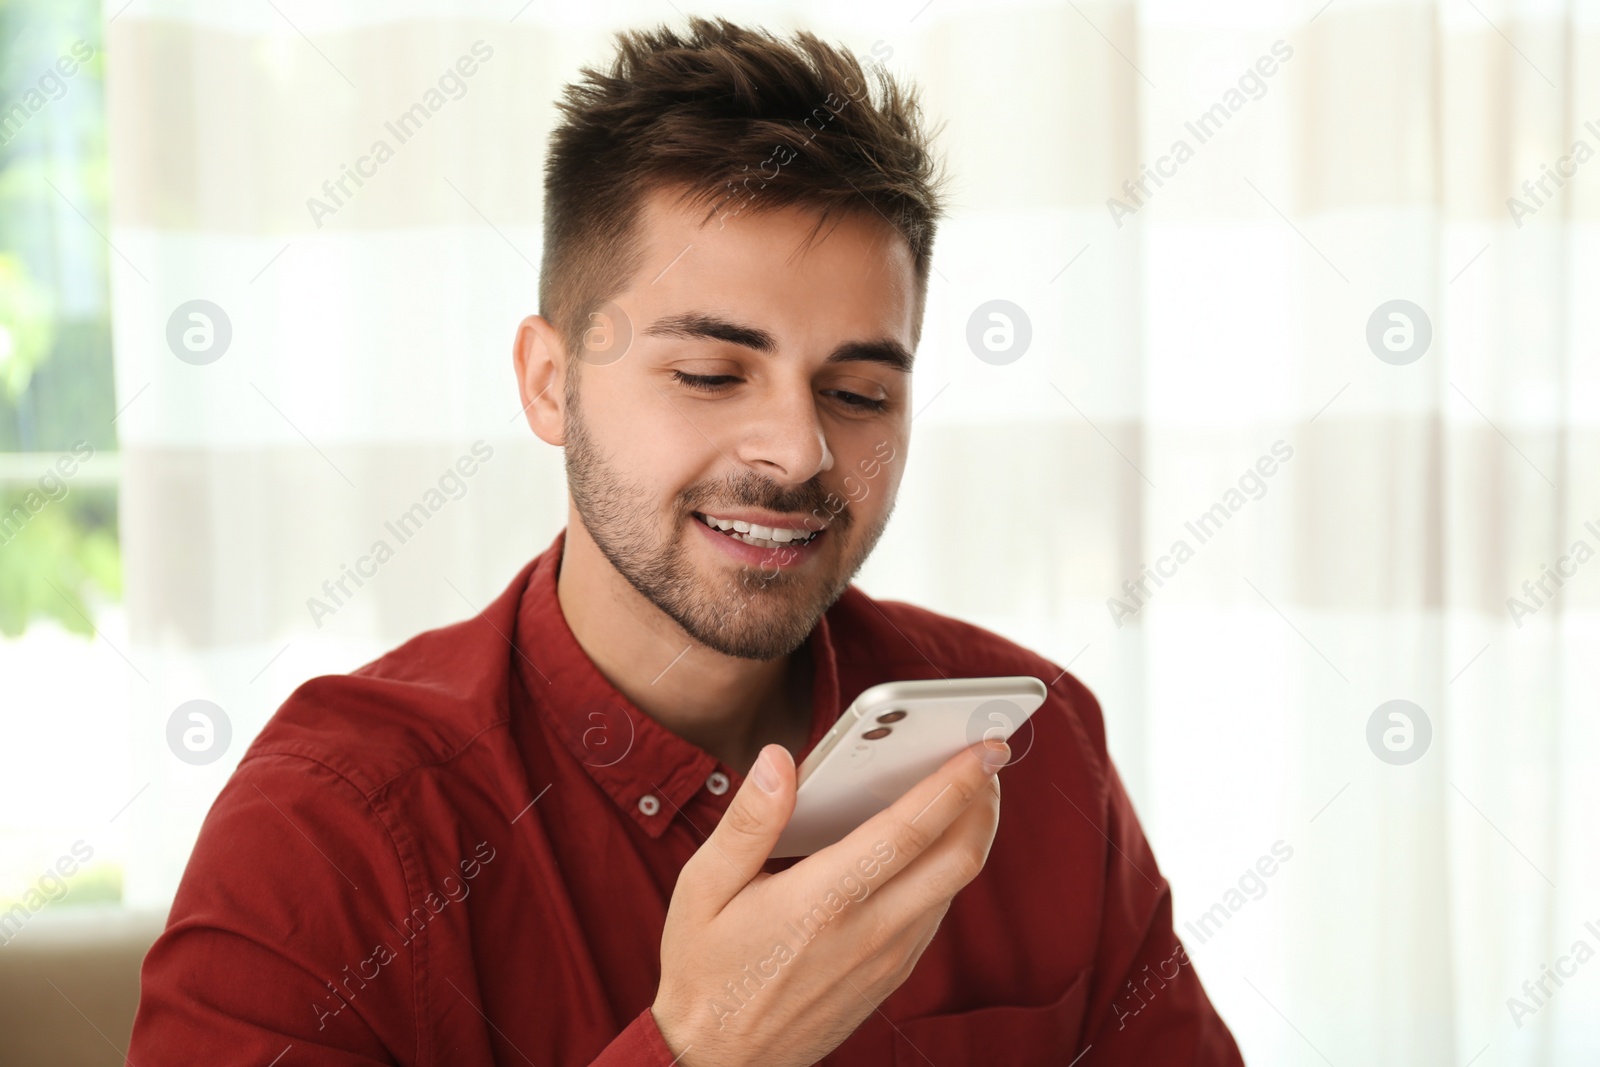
(420, 704)
(918, 642)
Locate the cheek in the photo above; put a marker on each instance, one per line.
(889, 483)
(623, 415)
(646, 440)
(872, 479)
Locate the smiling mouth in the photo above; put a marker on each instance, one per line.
(757, 535)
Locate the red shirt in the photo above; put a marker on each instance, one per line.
(463, 853)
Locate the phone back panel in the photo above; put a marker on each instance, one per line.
(891, 738)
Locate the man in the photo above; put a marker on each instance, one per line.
(542, 835)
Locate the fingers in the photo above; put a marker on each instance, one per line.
(742, 841)
(913, 823)
(945, 867)
(897, 956)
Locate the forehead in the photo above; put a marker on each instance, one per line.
(853, 277)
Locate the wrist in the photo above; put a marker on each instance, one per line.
(672, 1035)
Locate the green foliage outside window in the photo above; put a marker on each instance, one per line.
(59, 552)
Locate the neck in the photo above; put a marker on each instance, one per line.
(728, 706)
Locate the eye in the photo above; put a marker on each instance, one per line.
(857, 401)
(705, 383)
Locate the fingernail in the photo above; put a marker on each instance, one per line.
(765, 774)
(995, 755)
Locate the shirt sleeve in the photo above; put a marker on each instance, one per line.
(269, 951)
(1146, 1003)
(639, 1045)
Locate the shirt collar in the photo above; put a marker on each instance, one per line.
(628, 754)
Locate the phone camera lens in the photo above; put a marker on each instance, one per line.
(891, 716)
(876, 732)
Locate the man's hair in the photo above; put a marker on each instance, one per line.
(739, 121)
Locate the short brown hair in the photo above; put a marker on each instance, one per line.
(739, 120)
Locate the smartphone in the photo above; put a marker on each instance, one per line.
(893, 736)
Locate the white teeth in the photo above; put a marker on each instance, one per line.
(756, 534)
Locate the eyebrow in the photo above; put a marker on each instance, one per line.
(885, 351)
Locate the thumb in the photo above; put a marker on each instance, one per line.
(742, 841)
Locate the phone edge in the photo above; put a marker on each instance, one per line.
(841, 726)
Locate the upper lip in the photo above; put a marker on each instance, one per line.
(766, 518)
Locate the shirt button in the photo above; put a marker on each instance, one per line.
(649, 804)
(717, 783)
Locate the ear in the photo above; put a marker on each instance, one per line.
(540, 358)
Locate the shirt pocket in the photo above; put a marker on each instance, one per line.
(998, 1036)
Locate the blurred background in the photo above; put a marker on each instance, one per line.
(1260, 386)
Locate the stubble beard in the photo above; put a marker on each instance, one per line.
(751, 612)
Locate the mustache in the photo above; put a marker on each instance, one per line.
(749, 489)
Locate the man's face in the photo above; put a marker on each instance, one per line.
(764, 386)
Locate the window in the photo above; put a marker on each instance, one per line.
(60, 571)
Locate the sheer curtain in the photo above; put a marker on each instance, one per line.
(1289, 413)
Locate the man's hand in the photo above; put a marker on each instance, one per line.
(778, 969)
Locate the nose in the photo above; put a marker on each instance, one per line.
(787, 441)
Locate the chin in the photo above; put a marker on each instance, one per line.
(757, 625)
(761, 646)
